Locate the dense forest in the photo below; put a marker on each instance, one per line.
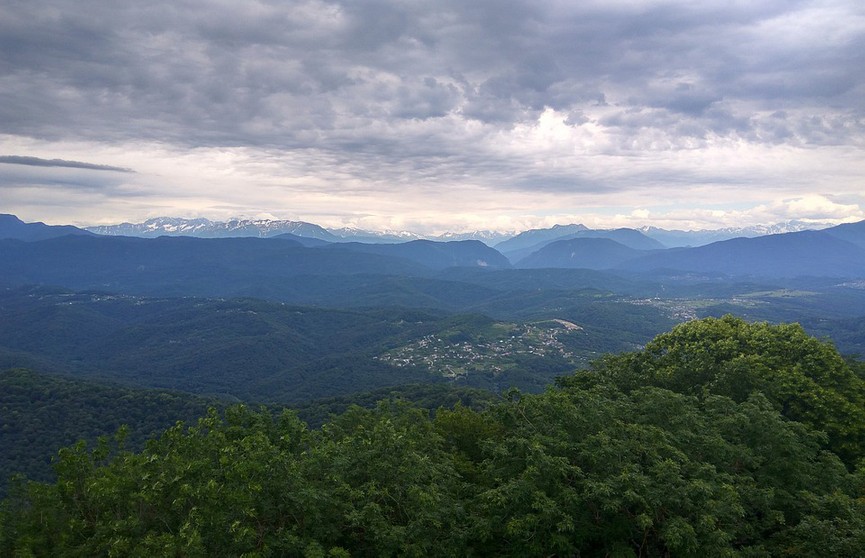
(42, 413)
(720, 437)
(266, 351)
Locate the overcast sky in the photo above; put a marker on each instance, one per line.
(434, 116)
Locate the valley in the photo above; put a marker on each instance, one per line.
(317, 325)
(120, 350)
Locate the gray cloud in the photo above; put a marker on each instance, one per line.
(37, 162)
(268, 73)
(416, 92)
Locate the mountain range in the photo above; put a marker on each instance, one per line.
(265, 228)
(516, 243)
(693, 238)
(292, 249)
(629, 238)
(805, 253)
(205, 228)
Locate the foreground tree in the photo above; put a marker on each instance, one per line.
(804, 378)
(655, 453)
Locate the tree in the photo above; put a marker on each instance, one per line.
(805, 378)
(596, 466)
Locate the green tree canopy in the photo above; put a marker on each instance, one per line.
(654, 453)
(803, 377)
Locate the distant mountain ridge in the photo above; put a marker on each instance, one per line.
(680, 238)
(796, 254)
(13, 227)
(851, 232)
(205, 228)
(630, 238)
(353, 234)
(435, 255)
(265, 228)
(490, 238)
(514, 245)
(220, 266)
(533, 237)
(304, 248)
(832, 252)
(580, 253)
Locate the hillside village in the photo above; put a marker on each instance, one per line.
(455, 354)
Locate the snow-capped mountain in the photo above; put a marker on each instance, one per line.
(205, 228)
(352, 234)
(155, 227)
(490, 238)
(678, 238)
(789, 226)
(502, 241)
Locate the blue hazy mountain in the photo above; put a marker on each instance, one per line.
(435, 255)
(806, 253)
(180, 264)
(833, 252)
(851, 232)
(585, 253)
(534, 237)
(308, 241)
(692, 238)
(13, 227)
(514, 246)
(91, 261)
(630, 238)
(227, 266)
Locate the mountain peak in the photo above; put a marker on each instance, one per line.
(13, 227)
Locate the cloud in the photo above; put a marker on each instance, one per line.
(510, 102)
(814, 207)
(247, 73)
(38, 162)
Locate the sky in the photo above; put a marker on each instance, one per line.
(434, 116)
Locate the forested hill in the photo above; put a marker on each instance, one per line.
(41, 413)
(721, 437)
(260, 351)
